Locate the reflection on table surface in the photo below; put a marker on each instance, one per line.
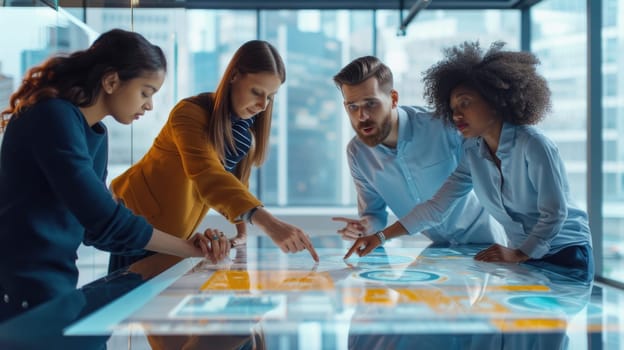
(400, 296)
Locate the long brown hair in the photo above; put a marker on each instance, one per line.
(77, 77)
(255, 56)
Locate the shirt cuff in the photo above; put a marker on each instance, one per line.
(535, 247)
(412, 226)
(374, 224)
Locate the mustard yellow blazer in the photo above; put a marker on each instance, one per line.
(181, 177)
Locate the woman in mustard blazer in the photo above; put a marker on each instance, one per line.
(203, 156)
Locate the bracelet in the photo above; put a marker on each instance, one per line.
(250, 213)
(381, 236)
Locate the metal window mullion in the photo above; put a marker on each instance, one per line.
(594, 128)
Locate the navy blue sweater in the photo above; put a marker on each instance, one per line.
(53, 196)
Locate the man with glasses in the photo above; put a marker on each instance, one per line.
(399, 158)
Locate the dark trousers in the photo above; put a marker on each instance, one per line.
(574, 261)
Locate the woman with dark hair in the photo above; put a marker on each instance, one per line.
(493, 99)
(203, 157)
(53, 168)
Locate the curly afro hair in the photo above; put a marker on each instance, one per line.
(507, 80)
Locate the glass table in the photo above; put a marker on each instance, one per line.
(407, 294)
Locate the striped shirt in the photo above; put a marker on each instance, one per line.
(242, 142)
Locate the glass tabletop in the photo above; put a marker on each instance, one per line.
(406, 293)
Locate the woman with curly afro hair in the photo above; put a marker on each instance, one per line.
(493, 98)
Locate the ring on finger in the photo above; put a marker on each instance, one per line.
(215, 237)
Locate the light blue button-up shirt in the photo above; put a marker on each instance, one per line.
(529, 196)
(399, 178)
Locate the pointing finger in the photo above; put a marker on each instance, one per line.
(352, 249)
(308, 244)
(345, 219)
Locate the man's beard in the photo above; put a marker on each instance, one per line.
(383, 130)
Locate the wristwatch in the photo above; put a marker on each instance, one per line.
(381, 236)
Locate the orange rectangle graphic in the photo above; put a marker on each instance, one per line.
(269, 280)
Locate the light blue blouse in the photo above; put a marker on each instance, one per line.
(529, 196)
(399, 178)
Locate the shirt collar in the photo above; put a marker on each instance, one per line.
(237, 120)
(405, 132)
(505, 142)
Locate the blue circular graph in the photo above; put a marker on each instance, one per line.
(546, 303)
(407, 276)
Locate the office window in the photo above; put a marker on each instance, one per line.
(197, 43)
(45, 33)
(610, 117)
(610, 13)
(431, 31)
(559, 41)
(307, 114)
(307, 162)
(613, 142)
(609, 51)
(610, 85)
(610, 153)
